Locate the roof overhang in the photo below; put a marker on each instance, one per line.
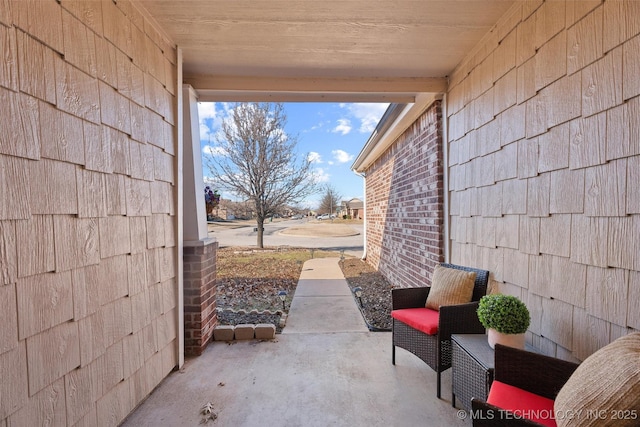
(329, 50)
(395, 121)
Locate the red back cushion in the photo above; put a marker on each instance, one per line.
(422, 319)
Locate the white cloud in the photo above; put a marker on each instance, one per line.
(213, 151)
(210, 118)
(281, 134)
(368, 114)
(341, 156)
(206, 114)
(343, 127)
(207, 110)
(318, 126)
(314, 157)
(205, 132)
(320, 175)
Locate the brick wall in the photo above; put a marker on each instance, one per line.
(88, 253)
(404, 208)
(200, 315)
(544, 160)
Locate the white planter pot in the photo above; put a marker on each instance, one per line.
(511, 340)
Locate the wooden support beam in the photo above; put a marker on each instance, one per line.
(318, 89)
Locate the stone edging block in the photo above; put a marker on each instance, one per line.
(254, 311)
(223, 333)
(244, 332)
(261, 331)
(265, 331)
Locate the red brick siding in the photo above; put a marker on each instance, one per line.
(405, 207)
(199, 297)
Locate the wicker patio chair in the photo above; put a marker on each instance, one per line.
(532, 372)
(435, 350)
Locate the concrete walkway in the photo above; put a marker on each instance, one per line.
(323, 302)
(325, 369)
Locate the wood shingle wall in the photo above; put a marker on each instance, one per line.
(544, 153)
(88, 255)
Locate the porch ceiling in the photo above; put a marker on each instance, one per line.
(327, 50)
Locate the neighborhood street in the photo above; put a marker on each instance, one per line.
(304, 232)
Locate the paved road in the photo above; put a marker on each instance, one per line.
(246, 236)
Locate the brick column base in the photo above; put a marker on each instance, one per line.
(200, 315)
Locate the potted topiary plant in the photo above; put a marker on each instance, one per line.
(506, 319)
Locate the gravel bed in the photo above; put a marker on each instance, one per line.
(376, 293)
(251, 298)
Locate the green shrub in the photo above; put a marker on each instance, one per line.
(504, 313)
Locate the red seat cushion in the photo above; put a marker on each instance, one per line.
(422, 319)
(522, 404)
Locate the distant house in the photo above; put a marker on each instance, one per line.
(353, 208)
(237, 210)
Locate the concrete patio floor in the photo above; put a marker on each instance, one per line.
(325, 369)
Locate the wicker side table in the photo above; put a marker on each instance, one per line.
(471, 368)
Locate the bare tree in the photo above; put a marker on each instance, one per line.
(256, 159)
(330, 200)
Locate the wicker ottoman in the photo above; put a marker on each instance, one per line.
(471, 368)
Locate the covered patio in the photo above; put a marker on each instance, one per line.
(511, 144)
(326, 368)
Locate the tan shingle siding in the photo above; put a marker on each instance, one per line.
(575, 129)
(71, 180)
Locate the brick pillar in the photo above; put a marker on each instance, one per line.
(199, 294)
(199, 252)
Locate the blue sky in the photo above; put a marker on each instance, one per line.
(331, 134)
